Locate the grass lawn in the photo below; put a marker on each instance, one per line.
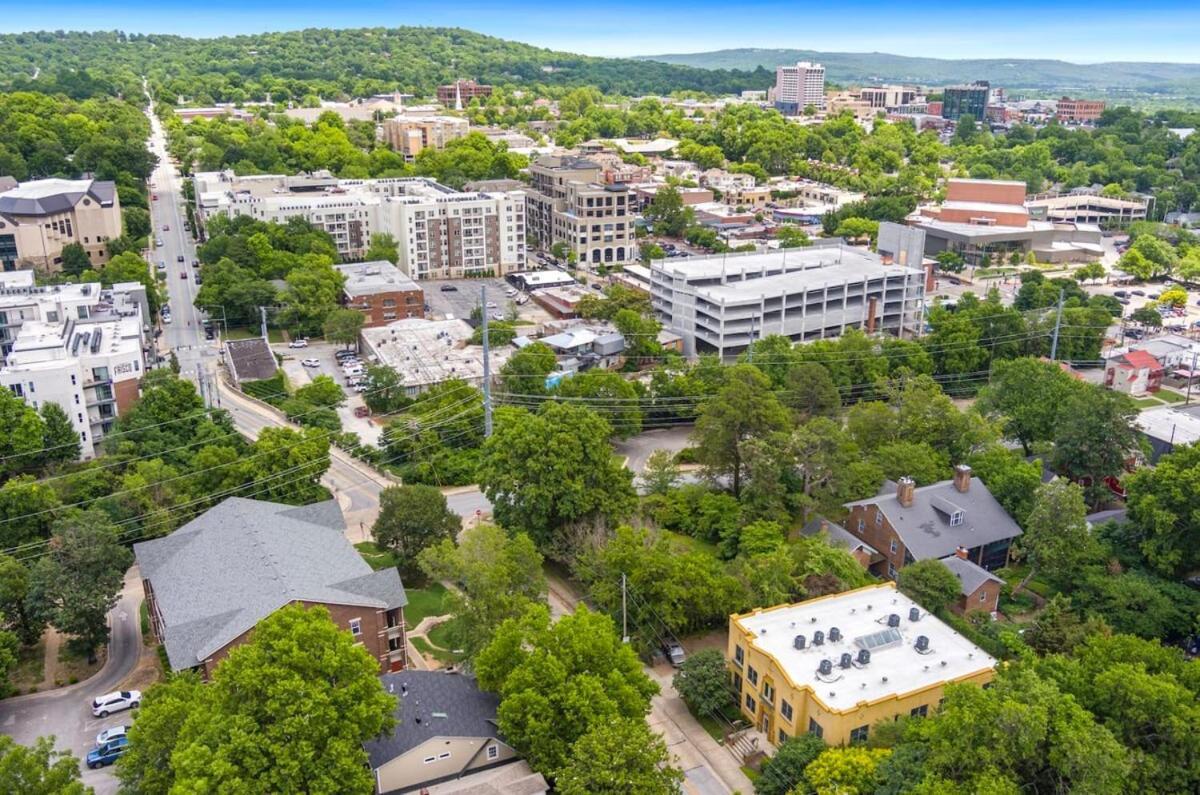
(427, 649)
(443, 636)
(689, 544)
(1168, 396)
(30, 668)
(1013, 575)
(376, 557)
(234, 333)
(423, 602)
(1147, 403)
(73, 667)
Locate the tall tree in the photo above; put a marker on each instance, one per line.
(28, 508)
(1057, 540)
(784, 772)
(75, 259)
(524, 374)
(22, 617)
(383, 247)
(810, 392)
(617, 758)
(39, 770)
(342, 326)
(703, 682)
(668, 213)
(412, 518)
(1028, 395)
(79, 580)
(21, 434)
(1162, 508)
(1095, 437)
(930, 584)
(744, 409)
(60, 441)
(544, 471)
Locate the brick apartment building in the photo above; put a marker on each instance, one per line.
(210, 582)
(409, 135)
(1079, 111)
(381, 292)
(461, 92)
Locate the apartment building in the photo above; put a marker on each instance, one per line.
(888, 97)
(460, 93)
(83, 349)
(409, 135)
(720, 304)
(570, 204)
(797, 87)
(1079, 111)
(38, 218)
(381, 292)
(442, 233)
(836, 665)
(970, 99)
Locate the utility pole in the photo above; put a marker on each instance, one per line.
(1191, 374)
(624, 613)
(262, 310)
(487, 366)
(1057, 327)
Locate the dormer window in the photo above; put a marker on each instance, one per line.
(956, 518)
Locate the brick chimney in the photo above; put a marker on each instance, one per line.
(961, 552)
(904, 492)
(962, 478)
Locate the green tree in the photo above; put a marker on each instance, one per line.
(668, 213)
(27, 510)
(75, 259)
(792, 236)
(785, 770)
(1057, 540)
(26, 620)
(1093, 271)
(542, 492)
(1147, 316)
(60, 442)
(385, 389)
(21, 434)
(703, 682)
(1175, 296)
(641, 334)
(810, 392)
(617, 396)
(1094, 438)
(559, 680)
(660, 474)
(1059, 629)
(79, 580)
(1161, 504)
(383, 247)
(845, 771)
(286, 712)
(342, 326)
(618, 758)
(313, 291)
(40, 770)
(1009, 477)
(744, 409)
(1027, 395)
(412, 518)
(501, 577)
(287, 465)
(915, 460)
(137, 222)
(525, 372)
(857, 229)
(950, 261)
(930, 584)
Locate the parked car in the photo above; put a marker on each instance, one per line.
(1138, 292)
(355, 370)
(179, 258)
(448, 288)
(300, 343)
(196, 277)
(158, 242)
(115, 702)
(162, 265)
(311, 362)
(166, 227)
(111, 733)
(491, 304)
(362, 411)
(195, 263)
(360, 388)
(107, 753)
(343, 355)
(674, 653)
(209, 333)
(1119, 293)
(166, 317)
(183, 274)
(1153, 296)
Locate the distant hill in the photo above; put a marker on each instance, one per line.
(1111, 79)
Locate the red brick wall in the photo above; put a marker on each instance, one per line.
(990, 593)
(406, 303)
(991, 192)
(881, 536)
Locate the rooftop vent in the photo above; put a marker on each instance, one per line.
(864, 656)
(893, 620)
(798, 642)
(825, 668)
(922, 643)
(835, 634)
(818, 638)
(847, 660)
(914, 614)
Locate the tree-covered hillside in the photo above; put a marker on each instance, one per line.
(327, 63)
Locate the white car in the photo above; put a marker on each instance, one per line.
(298, 344)
(311, 362)
(166, 318)
(356, 371)
(116, 701)
(360, 388)
(111, 733)
(158, 242)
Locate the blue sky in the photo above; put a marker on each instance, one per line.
(1076, 30)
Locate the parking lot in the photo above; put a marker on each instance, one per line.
(460, 301)
(298, 375)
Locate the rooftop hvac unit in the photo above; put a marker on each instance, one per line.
(893, 620)
(835, 634)
(922, 643)
(818, 638)
(914, 614)
(799, 642)
(825, 668)
(864, 656)
(847, 660)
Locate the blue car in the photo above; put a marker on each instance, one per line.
(107, 753)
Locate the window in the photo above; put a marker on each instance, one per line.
(768, 693)
(878, 518)
(427, 760)
(983, 596)
(861, 524)
(737, 683)
(956, 518)
(892, 547)
(749, 702)
(444, 755)
(815, 728)
(752, 675)
(356, 627)
(859, 735)
(919, 712)
(739, 656)
(891, 571)
(785, 709)
(493, 752)
(783, 738)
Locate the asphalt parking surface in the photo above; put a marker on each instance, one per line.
(465, 297)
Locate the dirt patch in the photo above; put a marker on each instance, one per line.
(74, 667)
(147, 672)
(27, 675)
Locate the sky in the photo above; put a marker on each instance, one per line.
(1082, 31)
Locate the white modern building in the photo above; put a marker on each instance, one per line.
(799, 86)
(428, 352)
(442, 233)
(720, 304)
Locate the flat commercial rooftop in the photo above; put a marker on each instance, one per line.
(801, 281)
(772, 261)
(861, 619)
(427, 352)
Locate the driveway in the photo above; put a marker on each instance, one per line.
(66, 713)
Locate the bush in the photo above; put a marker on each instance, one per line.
(272, 390)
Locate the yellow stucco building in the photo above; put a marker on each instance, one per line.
(837, 664)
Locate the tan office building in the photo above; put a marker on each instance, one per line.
(570, 204)
(408, 135)
(38, 218)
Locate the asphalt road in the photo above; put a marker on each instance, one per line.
(66, 713)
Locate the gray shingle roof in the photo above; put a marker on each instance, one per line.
(252, 359)
(838, 535)
(927, 532)
(970, 576)
(229, 568)
(52, 196)
(463, 710)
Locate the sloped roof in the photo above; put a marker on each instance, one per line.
(433, 704)
(927, 532)
(229, 568)
(51, 196)
(970, 575)
(251, 359)
(1140, 359)
(838, 535)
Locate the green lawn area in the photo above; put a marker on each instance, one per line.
(690, 544)
(1147, 403)
(234, 333)
(376, 556)
(30, 668)
(423, 602)
(1013, 575)
(1167, 396)
(438, 653)
(443, 636)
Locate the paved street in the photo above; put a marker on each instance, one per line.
(66, 713)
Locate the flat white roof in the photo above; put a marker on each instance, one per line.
(833, 275)
(370, 278)
(695, 268)
(41, 188)
(1169, 425)
(427, 352)
(861, 617)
